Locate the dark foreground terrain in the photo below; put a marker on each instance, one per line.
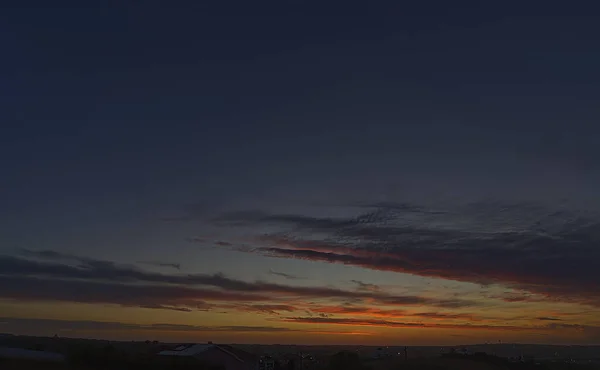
(85, 354)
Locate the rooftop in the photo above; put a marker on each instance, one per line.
(197, 349)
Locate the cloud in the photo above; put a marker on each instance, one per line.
(45, 254)
(271, 309)
(222, 243)
(51, 255)
(163, 307)
(284, 275)
(130, 295)
(389, 313)
(9, 324)
(366, 286)
(306, 222)
(590, 332)
(95, 281)
(73, 327)
(358, 311)
(526, 246)
(397, 324)
(176, 266)
(467, 266)
(445, 315)
(514, 298)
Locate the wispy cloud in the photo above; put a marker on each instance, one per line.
(19, 324)
(132, 295)
(284, 275)
(176, 266)
(526, 246)
(366, 286)
(51, 255)
(588, 331)
(271, 309)
(398, 324)
(365, 311)
(96, 281)
(81, 327)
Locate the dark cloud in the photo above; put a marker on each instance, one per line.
(468, 266)
(284, 275)
(131, 295)
(208, 243)
(176, 266)
(45, 254)
(390, 208)
(366, 286)
(379, 312)
(162, 307)
(444, 315)
(299, 221)
(73, 327)
(9, 324)
(358, 311)
(526, 246)
(515, 298)
(589, 332)
(548, 319)
(271, 309)
(108, 282)
(397, 324)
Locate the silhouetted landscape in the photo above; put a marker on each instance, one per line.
(100, 354)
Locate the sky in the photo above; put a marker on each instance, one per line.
(310, 172)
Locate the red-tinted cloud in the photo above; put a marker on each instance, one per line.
(398, 324)
(386, 313)
(525, 246)
(59, 277)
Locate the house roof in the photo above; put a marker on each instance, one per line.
(198, 349)
(187, 350)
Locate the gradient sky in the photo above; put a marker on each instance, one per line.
(295, 171)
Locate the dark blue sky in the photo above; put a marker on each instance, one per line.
(111, 94)
(115, 116)
(153, 105)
